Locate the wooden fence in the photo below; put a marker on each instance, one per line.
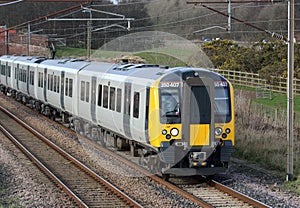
(255, 81)
(277, 84)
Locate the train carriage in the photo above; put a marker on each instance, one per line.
(57, 84)
(179, 121)
(6, 77)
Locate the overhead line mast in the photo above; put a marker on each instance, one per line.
(230, 17)
(41, 18)
(290, 65)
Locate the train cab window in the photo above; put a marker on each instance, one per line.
(119, 100)
(169, 106)
(105, 96)
(112, 98)
(99, 95)
(87, 91)
(222, 105)
(82, 90)
(136, 104)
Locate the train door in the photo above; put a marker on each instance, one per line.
(27, 79)
(17, 74)
(127, 107)
(198, 116)
(45, 84)
(93, 99)
(6, 73)
(62, 90)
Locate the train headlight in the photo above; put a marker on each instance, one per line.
(164, 132)
(168, 136)
(218, 131)
(174, 132)
(228, 131)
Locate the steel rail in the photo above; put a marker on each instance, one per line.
(110, 186)
(167, 184)
(41, 166)
(189, 196)
(237, 194)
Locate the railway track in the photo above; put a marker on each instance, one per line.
(82, 184)
(211, 194)
(205, 193)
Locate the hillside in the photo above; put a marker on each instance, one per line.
(173, 16)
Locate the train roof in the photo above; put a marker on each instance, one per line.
(74, 64)
(148, 71)
(145, 71)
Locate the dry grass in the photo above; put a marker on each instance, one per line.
(260, 137)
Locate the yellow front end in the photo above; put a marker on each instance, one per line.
(159, 132)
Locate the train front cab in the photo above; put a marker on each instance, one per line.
(195, 135)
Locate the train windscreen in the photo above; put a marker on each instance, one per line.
(222, 105)
(169, 106)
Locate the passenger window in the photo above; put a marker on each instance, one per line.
(9, 71)
(112, 98)
(51, 82)
(54, 87)
(119, 99)
(40, 79)
(66, 86)
(99, 95)
(87, 92)
(48, 81)
(127, 99)
(31, 78)
(70, 87)
(105, 97)
(58, 83)
(136, 104)
(3, 69)
(82, 90)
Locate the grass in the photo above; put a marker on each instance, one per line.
(70, 52)
(294, 185)
(161, 59)
(279, 101)
(150, 57)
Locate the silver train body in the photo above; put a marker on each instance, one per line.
(126, 104)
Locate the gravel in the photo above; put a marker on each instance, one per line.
(260, 184)
(19, 186)
(22, 184)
